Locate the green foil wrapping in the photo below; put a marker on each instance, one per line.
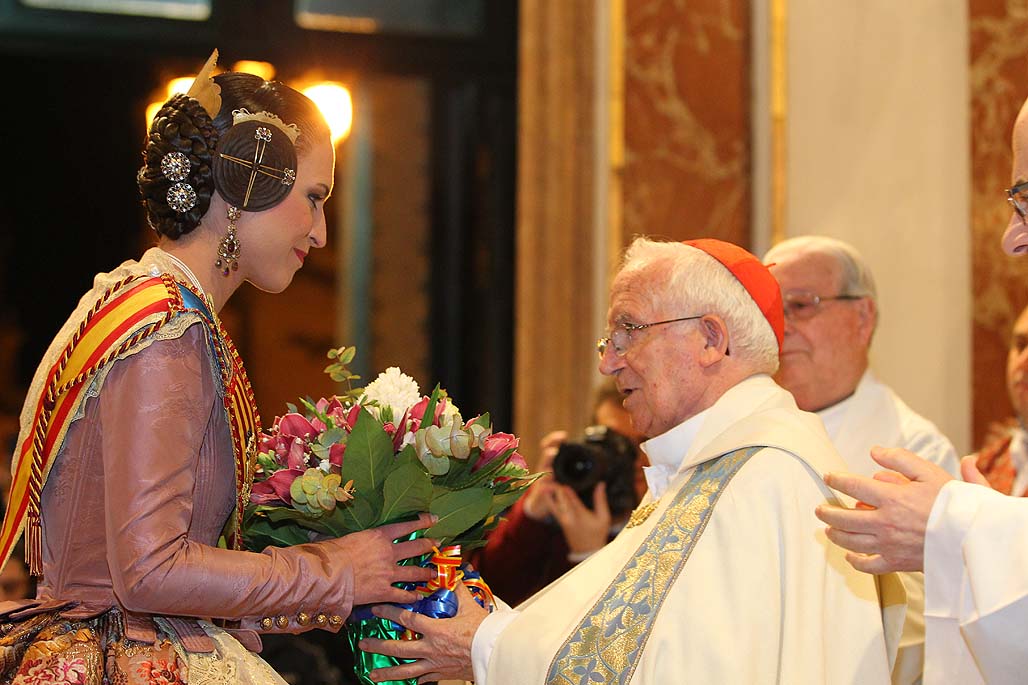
(384, 629)
(365, 662)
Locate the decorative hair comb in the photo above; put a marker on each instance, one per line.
(204, 90)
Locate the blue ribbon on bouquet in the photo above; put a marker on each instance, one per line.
(438, 601)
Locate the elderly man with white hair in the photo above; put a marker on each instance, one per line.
(831, 311)
(721, 575)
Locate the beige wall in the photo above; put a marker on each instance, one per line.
(877, 154)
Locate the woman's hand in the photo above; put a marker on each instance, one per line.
(444, 650)
(374, 557)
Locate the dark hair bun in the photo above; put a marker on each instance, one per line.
(238, 151)
(181, 125)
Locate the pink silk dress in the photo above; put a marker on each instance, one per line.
(132, 514)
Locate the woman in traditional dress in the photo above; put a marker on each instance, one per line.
(138, 436)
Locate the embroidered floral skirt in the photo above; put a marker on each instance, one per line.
(47, 648)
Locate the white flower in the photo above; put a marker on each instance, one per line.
(395, 389)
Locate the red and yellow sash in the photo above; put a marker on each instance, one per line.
(125, 317)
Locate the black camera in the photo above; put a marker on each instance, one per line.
(603, 455)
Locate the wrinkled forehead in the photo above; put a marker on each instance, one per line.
(634, 293)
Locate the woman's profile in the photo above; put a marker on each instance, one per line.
(138, 435)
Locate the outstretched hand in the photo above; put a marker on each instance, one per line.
(886, 530)
(444, 650)
(374, 557)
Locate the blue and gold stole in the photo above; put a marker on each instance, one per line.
(607, 644)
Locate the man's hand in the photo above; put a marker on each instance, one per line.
(444, 650)
(886, 530)
(970, 473)
(585, 529)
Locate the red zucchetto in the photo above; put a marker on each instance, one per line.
(753, 275)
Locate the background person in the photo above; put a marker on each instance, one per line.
(1003, 459)
(831, 312)
(550, 529)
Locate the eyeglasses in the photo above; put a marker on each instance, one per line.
(620, 337)
(1017, 196)
(801, 305)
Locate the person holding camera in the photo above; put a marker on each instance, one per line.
(590, 488)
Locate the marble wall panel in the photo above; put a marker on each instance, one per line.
(687, 125)
(999, 84)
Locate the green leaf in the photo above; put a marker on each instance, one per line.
(407, 490)
(332, 436)
(337, 522)
(263, 533)
(408, 455)
(482, 420)
(347, 354)
(428, 418)
(460, 470)
(468, 545)
(268, 464)
(458, 511)
(489, 471)
(504, 501)
(369, 455)
(362, 512)
(292, 408)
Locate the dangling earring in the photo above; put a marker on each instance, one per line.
(228, 249)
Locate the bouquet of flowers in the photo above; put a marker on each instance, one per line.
(379, 455)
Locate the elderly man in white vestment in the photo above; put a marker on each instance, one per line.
(721, 576)
(831, 312)
(971, 541)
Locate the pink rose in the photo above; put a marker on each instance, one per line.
(514, 460)
(494, 446)
(276, 488)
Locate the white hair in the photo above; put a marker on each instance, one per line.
(856, 274)
(689, 281)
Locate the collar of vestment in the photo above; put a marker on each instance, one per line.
(834, 416)
(680, 449)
